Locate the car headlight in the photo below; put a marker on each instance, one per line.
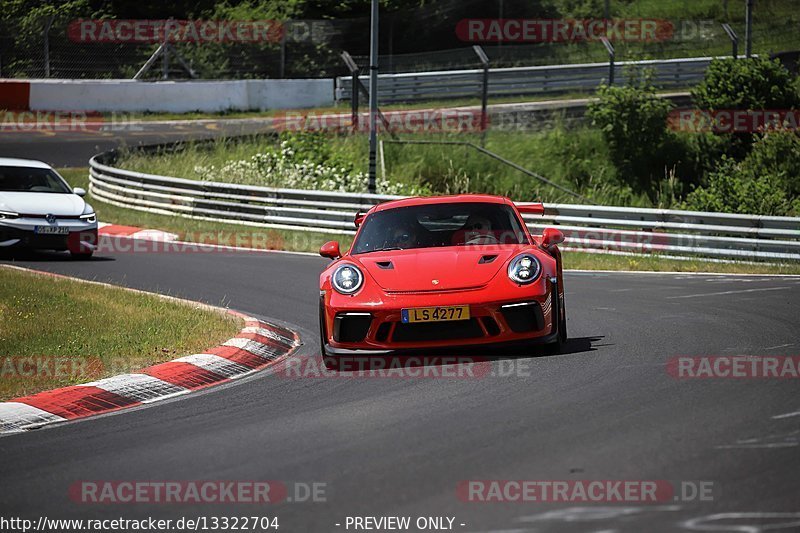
(8, 214)
(91, 218)
(524, 269)
(347, 279)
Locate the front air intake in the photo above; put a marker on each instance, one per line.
(351, 327)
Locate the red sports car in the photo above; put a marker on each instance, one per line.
(442, 272)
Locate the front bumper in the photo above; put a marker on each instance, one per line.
(81, 237)
(375, 330)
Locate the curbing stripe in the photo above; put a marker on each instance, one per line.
(154, 235)
(266, 352)
(280, 346)
(77, 401)
(214, 363)
(132, 232)
(236, 355)
(269, 333)
(15, 417)
(116, 230)
(257, 346)
(141, 387)
(185, 375)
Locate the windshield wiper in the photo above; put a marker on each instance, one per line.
(388, 249)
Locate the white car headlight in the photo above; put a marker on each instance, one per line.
(91, 218)
(347, 279)
(8, 214)
(524, 269)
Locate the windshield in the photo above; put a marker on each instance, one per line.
(439, 225)
(27, 179)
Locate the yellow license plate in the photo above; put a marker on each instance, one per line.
(435, 314)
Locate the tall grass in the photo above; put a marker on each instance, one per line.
(574, 158)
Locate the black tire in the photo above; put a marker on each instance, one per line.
(557, 346)
(328, 361)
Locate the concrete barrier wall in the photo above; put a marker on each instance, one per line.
(166, 96)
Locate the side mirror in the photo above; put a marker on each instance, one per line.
(80, 192)
(330, 250)
(552, 237)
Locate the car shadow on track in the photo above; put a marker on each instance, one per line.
(437, 358)
(574, 345)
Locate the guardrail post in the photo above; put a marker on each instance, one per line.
(734, 39)
(165, 53)
(748, 37)
(610, 49)
(373, 96)
(484, 92)
(47, 25)
(354, 71)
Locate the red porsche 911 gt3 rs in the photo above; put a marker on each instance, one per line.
(442, 272)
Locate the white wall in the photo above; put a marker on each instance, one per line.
(178, 97)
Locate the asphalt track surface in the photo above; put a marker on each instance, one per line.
(74, 148)
(606, 409)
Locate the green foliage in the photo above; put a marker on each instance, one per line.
(633, 120)
(755, 83)
(767, 182)
(308, 145)
(777, 154)
(578, 9)
(25, 20)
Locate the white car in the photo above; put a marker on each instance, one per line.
(38, 210)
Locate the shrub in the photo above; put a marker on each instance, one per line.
(755, 83)
(767, 182)
(778, 153)
(633, 120)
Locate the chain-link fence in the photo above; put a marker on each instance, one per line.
(312, 48)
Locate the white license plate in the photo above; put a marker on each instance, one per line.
(51, 230)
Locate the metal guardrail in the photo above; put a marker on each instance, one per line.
(592, 228)
(520, 81)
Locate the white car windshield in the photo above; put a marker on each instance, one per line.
(30, 179)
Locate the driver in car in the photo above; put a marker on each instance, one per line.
(478, 230)
(404, 237)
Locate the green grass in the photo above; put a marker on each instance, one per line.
(93, 331)
(301, 241)
(587, 261)
(576, 159)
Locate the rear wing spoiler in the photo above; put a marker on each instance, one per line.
(359, 218)
(530, 208)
